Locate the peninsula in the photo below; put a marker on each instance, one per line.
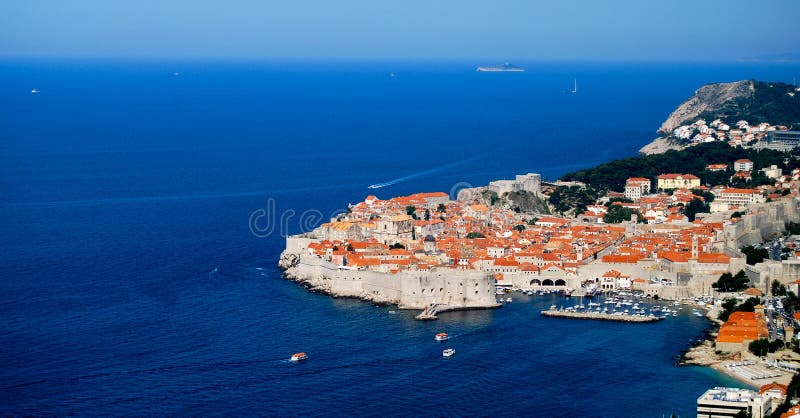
(743, 112)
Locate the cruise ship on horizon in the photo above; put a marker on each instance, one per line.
(505, 68)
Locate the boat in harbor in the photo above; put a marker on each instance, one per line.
(568, 292)
(591, 290)
(442, 336)
(448, 352)
(298, 356)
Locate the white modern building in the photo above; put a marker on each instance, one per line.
(725, 402)
(636, 187)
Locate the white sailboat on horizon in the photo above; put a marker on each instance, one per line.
(575, 87)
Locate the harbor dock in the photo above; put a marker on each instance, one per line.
(600, 316)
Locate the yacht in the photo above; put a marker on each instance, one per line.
(298, 356)
(448, 352)
(441, 336)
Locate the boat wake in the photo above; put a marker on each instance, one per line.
(419, 174)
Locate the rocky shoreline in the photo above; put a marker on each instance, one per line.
(703, 352)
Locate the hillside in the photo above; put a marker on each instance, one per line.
(752, 101)
(612, 175)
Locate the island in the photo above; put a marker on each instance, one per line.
(505, 68)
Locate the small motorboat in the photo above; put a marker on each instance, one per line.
(508, 300)
(298, 357)
(441, 336)
(448, 352)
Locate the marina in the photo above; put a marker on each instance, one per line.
(621, 317)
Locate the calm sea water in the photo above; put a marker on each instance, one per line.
(132, 283)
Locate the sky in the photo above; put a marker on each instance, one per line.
(402, 29)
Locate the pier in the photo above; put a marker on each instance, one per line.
(429, 314)
(600, 316)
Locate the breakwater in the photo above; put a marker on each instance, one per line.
(600, 316)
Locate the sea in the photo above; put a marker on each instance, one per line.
(144, 205)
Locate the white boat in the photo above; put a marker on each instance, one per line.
(298, 356)
(552, 307)
(448, 352)
(441, 336)
(508, 300)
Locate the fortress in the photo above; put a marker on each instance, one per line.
(425, 251)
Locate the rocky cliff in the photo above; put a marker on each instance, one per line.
(707, 100)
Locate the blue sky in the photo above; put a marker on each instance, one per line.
(407, 29)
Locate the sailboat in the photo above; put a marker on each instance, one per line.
(575, 87)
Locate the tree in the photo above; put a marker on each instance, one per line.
(519, 227)
(762, 346)
(617, 214)
(778, 289)
(694, 207)
(441, 208)
(397, 246)
(472, 235)
(411, 211)
(573, 198)
(754, 255)
(728, 306)
(730, 283)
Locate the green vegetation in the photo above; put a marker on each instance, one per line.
(793, 228)
(754, 255)
(694, 160)
(491, 196)
(573, 198)
(519, 227)
(694, 207)
(791, 303)
(617, 214)
(441, 208)
(473, 235)
(762, 346)
(777, 289)
(731, 305)
(411, 211)
(769, 103)
(728, 306)
(397, 246)
(730, 283)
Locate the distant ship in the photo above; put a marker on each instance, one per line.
(505, 68)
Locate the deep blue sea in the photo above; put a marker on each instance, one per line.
(133, 285)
